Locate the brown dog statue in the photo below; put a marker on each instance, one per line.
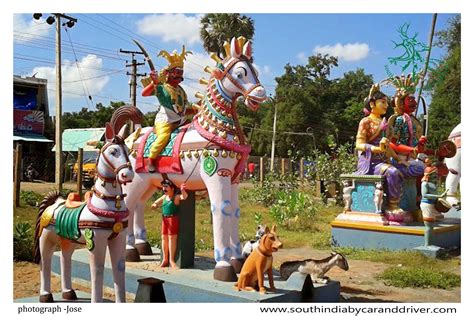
(260, 262)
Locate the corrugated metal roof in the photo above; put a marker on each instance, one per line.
(31, 138)
(78, 138)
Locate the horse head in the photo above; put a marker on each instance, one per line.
(236, 75)
(113, 162)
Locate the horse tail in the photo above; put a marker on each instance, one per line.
(48, 200)
(123, 114)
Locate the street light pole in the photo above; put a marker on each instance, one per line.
(59, 99)
(56, 18)
(272, 159)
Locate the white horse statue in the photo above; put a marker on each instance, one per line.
(454, 167)
(212, 155)
(99, 222)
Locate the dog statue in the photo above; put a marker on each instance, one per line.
(315, 268)
(258, 263)
(253, 244)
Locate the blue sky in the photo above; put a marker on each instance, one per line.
(360, 41)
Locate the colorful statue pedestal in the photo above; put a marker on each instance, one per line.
(360, 226)
(364, 199)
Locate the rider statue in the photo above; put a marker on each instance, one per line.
(173, 101)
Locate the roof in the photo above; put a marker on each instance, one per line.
(79, 137)
(31, 138)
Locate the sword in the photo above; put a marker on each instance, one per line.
(146, 81)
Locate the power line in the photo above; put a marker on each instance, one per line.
(86, 94)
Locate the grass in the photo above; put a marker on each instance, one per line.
(419, 277)
(407, 258)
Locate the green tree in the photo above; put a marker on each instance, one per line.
(445, 85)
(88, 119)
(308, 101)
(216, 28)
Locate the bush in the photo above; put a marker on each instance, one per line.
(419, 277)
(265, 194)
(23, 242)
(30, 198)
(294, 210)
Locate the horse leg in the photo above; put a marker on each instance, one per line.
(47, 243)
(141, 243)
(96, 262)
(67, 249)
(237, 259)
(117, 258)
(222, 213)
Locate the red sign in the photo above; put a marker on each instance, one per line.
(28, 122)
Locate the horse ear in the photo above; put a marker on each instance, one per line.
(123, 131)
(109, 132)
(235, 49)
(247, 50)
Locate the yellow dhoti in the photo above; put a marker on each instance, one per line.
(163, 132)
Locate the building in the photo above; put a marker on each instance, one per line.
(32, 125)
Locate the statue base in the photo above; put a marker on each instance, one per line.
(371, 235)
(197, 285)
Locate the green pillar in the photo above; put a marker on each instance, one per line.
(187, 232)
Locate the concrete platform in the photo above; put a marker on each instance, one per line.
(197, 284)
(447, 234)
(82, 297)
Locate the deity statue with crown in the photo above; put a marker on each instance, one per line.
(173, 100)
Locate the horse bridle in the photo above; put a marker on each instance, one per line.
(116, 141)
(237, 84)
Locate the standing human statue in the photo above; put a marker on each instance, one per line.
(429, 197)
(376, 157)
(170, 201)
(165, 85)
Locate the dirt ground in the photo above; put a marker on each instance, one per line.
(358, 284)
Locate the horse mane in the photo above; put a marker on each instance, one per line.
(123, 114)
(48, 200)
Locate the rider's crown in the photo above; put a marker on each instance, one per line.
(175, 60)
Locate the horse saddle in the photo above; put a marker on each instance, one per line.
(168, 161)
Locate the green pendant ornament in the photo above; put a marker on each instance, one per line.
(89, 236)
(210, 165)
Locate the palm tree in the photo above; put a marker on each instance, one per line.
(219, 27)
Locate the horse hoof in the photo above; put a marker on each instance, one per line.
(225, 274)
(46, 298)
(237, 264)
(144, 249)
(70, 295)
(132, 255)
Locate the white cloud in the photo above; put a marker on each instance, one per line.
(347, 52)
(301, 56)
(72, 84)
(26, 29)
(172, 27)
(263, 70)
(193, 70)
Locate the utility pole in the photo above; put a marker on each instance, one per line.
(56, 17)
(133, 74)
(272, 159)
